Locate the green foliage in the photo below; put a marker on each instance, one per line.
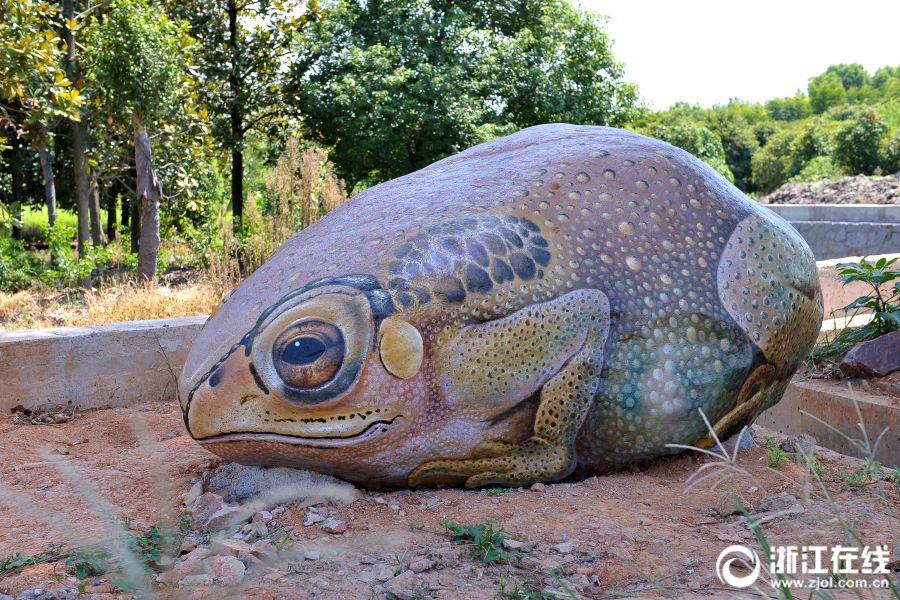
(392, 87)
(19, 268)
(826, 91)
(774, 455)
(87, 562)
(486, 540)
(884, 304)
(817, 169)
(696, 139)
(31, 74)
(858, 145)
(137, 59)
(148, 545)
(19, 561)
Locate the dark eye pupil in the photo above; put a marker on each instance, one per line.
(303, 351)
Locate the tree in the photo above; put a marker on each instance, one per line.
(825, 91)
(858, 144)
(34, 89)
(394, 86)
(852, 75)
(696, 139)
(242, 45)
(137, 63)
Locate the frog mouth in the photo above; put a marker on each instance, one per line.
(320, 432)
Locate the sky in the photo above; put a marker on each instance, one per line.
(705, 52)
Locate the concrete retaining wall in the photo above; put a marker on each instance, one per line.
(830, 239)
(834, 404)
(98, 366)
(846, 213)
(835, 230)
(837, 295)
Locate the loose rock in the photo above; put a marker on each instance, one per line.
(404, 586)
(875, 358)
(228, 570)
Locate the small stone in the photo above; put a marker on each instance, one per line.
(518, 546)
(229, 547)
(335, 526)
(197, 553)
(168, 436)
(404, 586)
(263, 516)
(312, 555)
(379, 500)
(264, 550)
(394, 506)
(384, 572)
(195, 580)
(312, 518)
(564, 547)
(205, 506)
(752, 489)
(188, 543)
(421, 564)
(368, 560)
(226, 517)
(228, 570)
(277, 510)
(782, 501)
(538, 487)
(746, 441)
(180, 570)
(800, 444)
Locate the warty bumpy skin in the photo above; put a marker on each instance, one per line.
(567, 298)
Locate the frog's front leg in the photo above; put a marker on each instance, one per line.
(557, 347)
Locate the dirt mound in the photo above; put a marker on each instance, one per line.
(858, 189)
(634, 533)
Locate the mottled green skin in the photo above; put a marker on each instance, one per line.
(581, 294)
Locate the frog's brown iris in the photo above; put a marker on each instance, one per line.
(308, 354)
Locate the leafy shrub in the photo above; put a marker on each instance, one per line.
(857, 145)
(697, 139)
(890, 155)
(884, 304)
(19, 268)
(817, 169)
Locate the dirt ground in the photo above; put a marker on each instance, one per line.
(637, 533)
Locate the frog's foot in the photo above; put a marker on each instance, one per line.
(750, 402)
(534, 460)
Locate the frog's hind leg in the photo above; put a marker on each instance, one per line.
(577, 321)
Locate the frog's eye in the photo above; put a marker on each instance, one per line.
(308, 354)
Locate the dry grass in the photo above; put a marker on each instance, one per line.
(123, 302)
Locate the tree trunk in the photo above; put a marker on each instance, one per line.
(79, 143)
(49, 183)
(148, 194)
(134, 210)
(97, 236)
(15, 207)
(237, 122)
(112, 231)
(126, 212)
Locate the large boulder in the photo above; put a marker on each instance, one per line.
(875, 358)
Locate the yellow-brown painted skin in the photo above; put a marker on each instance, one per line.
(712, 301)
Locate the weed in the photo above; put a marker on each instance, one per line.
(775, 455)
(86, 562)
(19, 561)
(486, 539)
(149, 544)
(496, 491)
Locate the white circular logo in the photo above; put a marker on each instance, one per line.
(745, 556)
